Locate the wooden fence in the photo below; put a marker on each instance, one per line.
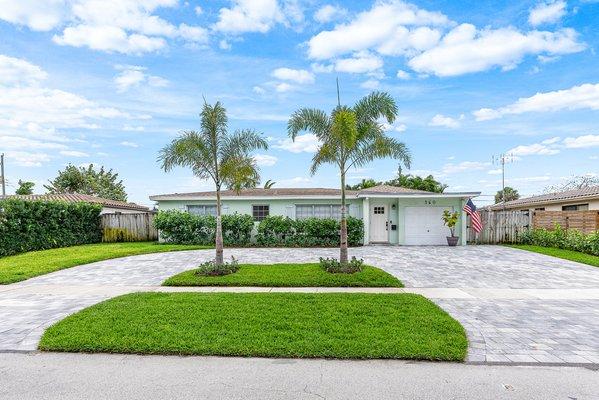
(128, 227)
(506, 226)
(584, 221)
(500, 227)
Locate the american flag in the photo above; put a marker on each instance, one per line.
(475, 220)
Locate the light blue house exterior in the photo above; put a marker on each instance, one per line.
(391, 215)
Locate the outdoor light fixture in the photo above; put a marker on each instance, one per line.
(393, 206)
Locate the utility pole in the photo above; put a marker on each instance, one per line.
(338, 96)
(2, 175)
(502, 159)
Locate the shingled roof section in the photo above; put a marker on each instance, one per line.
(258, 192)
(582, 193)
(387, 189)
(77, 197)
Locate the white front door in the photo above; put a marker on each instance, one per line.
(378, 223)
(424, 226)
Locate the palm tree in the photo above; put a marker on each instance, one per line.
(214, 153)
(350, 137)
(269, 184)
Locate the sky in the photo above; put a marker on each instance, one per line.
(110, 82)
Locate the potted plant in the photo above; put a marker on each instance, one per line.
(450, 219)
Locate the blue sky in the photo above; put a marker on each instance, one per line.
(111, 82)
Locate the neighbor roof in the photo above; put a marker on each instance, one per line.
(557, 197)
(387, 189)
(77, 197)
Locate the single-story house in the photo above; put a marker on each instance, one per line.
(391, 215)
(108, 206)
(570, 200)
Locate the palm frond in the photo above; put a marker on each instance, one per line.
(309, 119)
(189, 150)
(242, 142)
(374, 106)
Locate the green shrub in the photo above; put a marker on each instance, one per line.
(210, 268)
(563, 239)
(40, 225)
(333, 265)
(184, 228)
(309, 232)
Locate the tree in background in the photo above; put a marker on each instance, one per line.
(364, 184)
(100, 183)
(428, 184)
(350, 137)
(25, 188)
(574, 183)
(213, 153)
(510, 194)
(269, 184)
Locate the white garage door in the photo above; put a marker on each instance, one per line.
(424, 226)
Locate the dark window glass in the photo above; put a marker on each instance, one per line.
(575, 207)
(260, 212)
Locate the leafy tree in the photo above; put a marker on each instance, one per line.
(429, 184)
(25, 188)
(365, 184)
(574, 183)
(510, 194)
(100, 183)
(214, 153)
(269, 184)
(351, 137)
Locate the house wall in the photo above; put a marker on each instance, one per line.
(593, 205)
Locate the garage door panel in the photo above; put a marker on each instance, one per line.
(424, 226)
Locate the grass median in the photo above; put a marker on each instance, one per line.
(561, 253)
(331, 325)
(287, 275)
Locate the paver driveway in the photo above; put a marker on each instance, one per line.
(516, 306)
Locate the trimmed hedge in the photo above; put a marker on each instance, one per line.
(563, 239)
(40, 225)
(184, 228)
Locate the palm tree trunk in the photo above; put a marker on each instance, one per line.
(219, 230)
(343, 235)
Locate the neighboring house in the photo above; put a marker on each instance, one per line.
(571, 200)
(108, 206)
(391, 214)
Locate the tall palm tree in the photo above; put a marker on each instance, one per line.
(350, 137)
(214, 153)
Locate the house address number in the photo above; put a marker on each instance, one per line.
(430, 202)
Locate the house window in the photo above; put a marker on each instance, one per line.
(303, 211)
(259, 212)
(540, 209)
(379, 209)
(576, 207)
(202, 209)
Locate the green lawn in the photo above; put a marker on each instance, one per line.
(287, 275)
(331, 325)
(560, 253)
(27, 265)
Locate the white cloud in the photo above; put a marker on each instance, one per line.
(73, 153)
(265, 160)
(298, 181)
(16, 142)
(582, 141)
(494, 171)
(533, 149)
(362, 62)
(328, 13)
(129, 144)
(129, 128)
(26, 159)
(15, 71)
(391, 27)
(464, 166)
(577, 97)
(466, 49)
(307, 143)
(258, 90)
(284, 87)
(133, 76)
(300, 76)
(125, 26)
(370, 84)
(401, 74)
(249, 16)
(544, 13)
(224, 45)
(198, 10)
(442, 120)
(397, 127)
